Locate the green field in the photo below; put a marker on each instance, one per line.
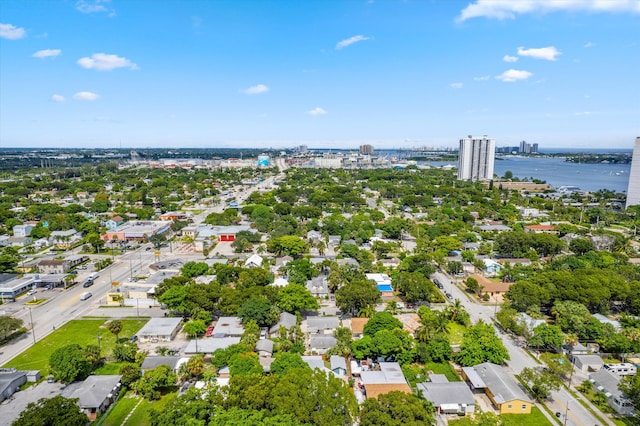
(443, 368)
(455, 333)
(83, 332)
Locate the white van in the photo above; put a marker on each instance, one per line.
(94, 275)
(85, 295)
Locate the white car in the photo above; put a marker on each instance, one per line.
(31, 292)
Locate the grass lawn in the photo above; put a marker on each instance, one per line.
(455, 333)
(140, 417)
(82, 332)
(116, 416)
(536, 418)
(443, 368)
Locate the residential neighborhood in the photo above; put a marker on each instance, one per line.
(392, 289)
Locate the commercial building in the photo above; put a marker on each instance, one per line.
(137, 230)
(633, 192)
(476, 158)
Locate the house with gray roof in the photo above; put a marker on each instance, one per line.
(338, 365)
(228, 326)
(588, 362)
(264, 348)
(503, 391)
(10, 381)
(318, 286)
(286, 320)
(607, 382)
(209, 345)
(151, 362)
(322, 325)
(161, 329)
(95, 394)
(321, 343)
(448, 397)
(605, 320)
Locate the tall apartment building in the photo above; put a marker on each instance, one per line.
(633, 192)
(366, 149)
(476, 157)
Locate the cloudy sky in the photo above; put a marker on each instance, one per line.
(142, 73)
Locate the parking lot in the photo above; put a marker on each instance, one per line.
(11, 408)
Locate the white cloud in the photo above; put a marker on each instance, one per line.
(106, 62)
(58, 98)
(95, 6)
(47, 53)
(508, 58)
(349, 41)
(86, 96)
(317, 111)
(512, 75)
(548, 53)
(256, 90)
(581, 113)
(456, 85)
(588, 44)
(509, 9)
(482, 78)
(11, 32)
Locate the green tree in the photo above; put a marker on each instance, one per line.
(260, 310)
(154, 381)
(69, 363)
(125, 351)
(194, 328)
(581, 246)
(630, 385)
(287, 245)
(437, 349)
(547, 337)
(381, 321)
(296, 297)
(472, 285)
(8, 325)
(115, 327)
(397, 408)
(56, 411)
(285, 362)
(413, 286)
(480, 344)
(356, 295)
(541, 382)
(194, 269)
(245, 364)
(130, 373)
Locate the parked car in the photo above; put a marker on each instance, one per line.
(88, 283)
(133, 338)
(32, 292)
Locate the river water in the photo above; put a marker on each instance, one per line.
(556, 172)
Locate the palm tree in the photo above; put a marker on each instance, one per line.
(115, 327)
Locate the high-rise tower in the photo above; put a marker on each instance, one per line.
(476, 158)
(633, 192)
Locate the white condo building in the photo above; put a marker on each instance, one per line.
(476, 158)
(633, 192)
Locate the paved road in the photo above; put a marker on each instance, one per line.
(576, 414)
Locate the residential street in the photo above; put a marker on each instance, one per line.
(576, 413)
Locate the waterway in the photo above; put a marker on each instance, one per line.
(556, 172)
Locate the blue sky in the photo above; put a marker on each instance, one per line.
(330, 73)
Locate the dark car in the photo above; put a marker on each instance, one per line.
(88, 283)
(133, 338)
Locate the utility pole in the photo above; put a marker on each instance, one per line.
(33, 330)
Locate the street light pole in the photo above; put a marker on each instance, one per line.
(99, 349)
(33, 330)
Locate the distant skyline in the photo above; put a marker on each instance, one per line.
(394, 74)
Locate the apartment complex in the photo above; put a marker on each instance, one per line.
(476, 158)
